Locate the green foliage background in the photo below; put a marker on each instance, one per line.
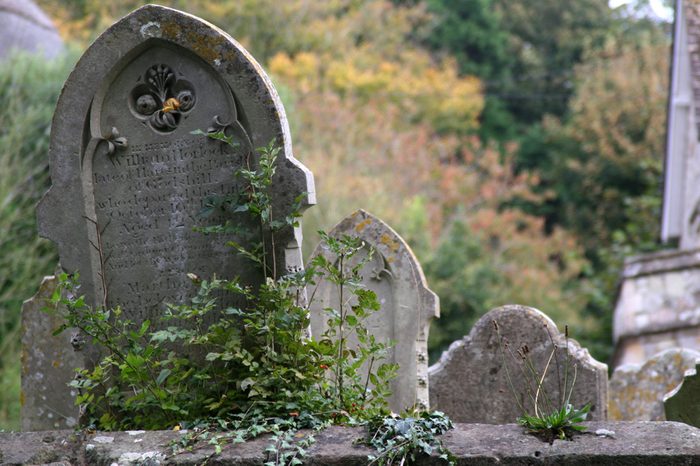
(516, 145)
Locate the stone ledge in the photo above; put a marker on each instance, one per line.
(633, 443)
(661, 262)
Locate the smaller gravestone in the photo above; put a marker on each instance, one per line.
(469, 383)
(683, 403)
(47, 366)
(395, 275)
(636, 391)
(24, 27)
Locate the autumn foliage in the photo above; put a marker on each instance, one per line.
(389, 122)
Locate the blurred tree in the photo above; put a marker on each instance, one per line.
(547, 39)
(471, 31)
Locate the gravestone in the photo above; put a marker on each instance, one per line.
(636, 391)
(129, 177)
(407, 305)
(24, 27)
(48, 365)
(469, 382)
(683, 403)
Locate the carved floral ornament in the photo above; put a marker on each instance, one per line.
(161, 99)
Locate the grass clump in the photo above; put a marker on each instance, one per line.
(552, 415)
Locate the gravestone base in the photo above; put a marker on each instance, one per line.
(658, 307)
(632, 443)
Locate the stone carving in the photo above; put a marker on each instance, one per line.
(123, 215)
(636, 391)
(47, 366)
(161, 99)
(395, 275)
(683, 403)
(469, 382)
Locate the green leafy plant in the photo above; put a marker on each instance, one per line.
(552, 417)
(232, 372)
(401, 440)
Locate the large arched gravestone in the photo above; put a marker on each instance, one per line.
(128, 176)
(130, 179)
(407, 304)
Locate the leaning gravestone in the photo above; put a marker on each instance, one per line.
(24, 27)
(683, 403)
(407, 305)
(636, 391)
(129, 177)
(469, 382)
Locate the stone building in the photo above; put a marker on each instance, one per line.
(658, 306)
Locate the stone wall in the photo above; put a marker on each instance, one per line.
(658, 307)
(615, 443)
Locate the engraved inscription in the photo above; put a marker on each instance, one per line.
(148, 203)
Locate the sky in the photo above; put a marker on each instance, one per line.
(658, 8)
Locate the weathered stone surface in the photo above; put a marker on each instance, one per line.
(24, 27)
(683, 403)
(47, 403)
(470, 384)
(658, 307)
(632, 443)
(408, 306)
(636, 392)
(129, 179)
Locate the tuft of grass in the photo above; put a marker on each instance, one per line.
(552, 417)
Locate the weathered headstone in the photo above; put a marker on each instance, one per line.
(469, 382)
(636, 391)
(683, 403)
(24, 27)
(129, 177)
(48, 365)
(395, 275)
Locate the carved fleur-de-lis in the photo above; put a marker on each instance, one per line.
(162, 99)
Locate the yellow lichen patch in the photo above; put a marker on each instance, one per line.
(55, 363)
(362, 225)
(170, 29)
(389, 242)
(205, 46)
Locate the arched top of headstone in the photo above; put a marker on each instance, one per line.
(123, 156)
(469, 382)
(397, 254)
